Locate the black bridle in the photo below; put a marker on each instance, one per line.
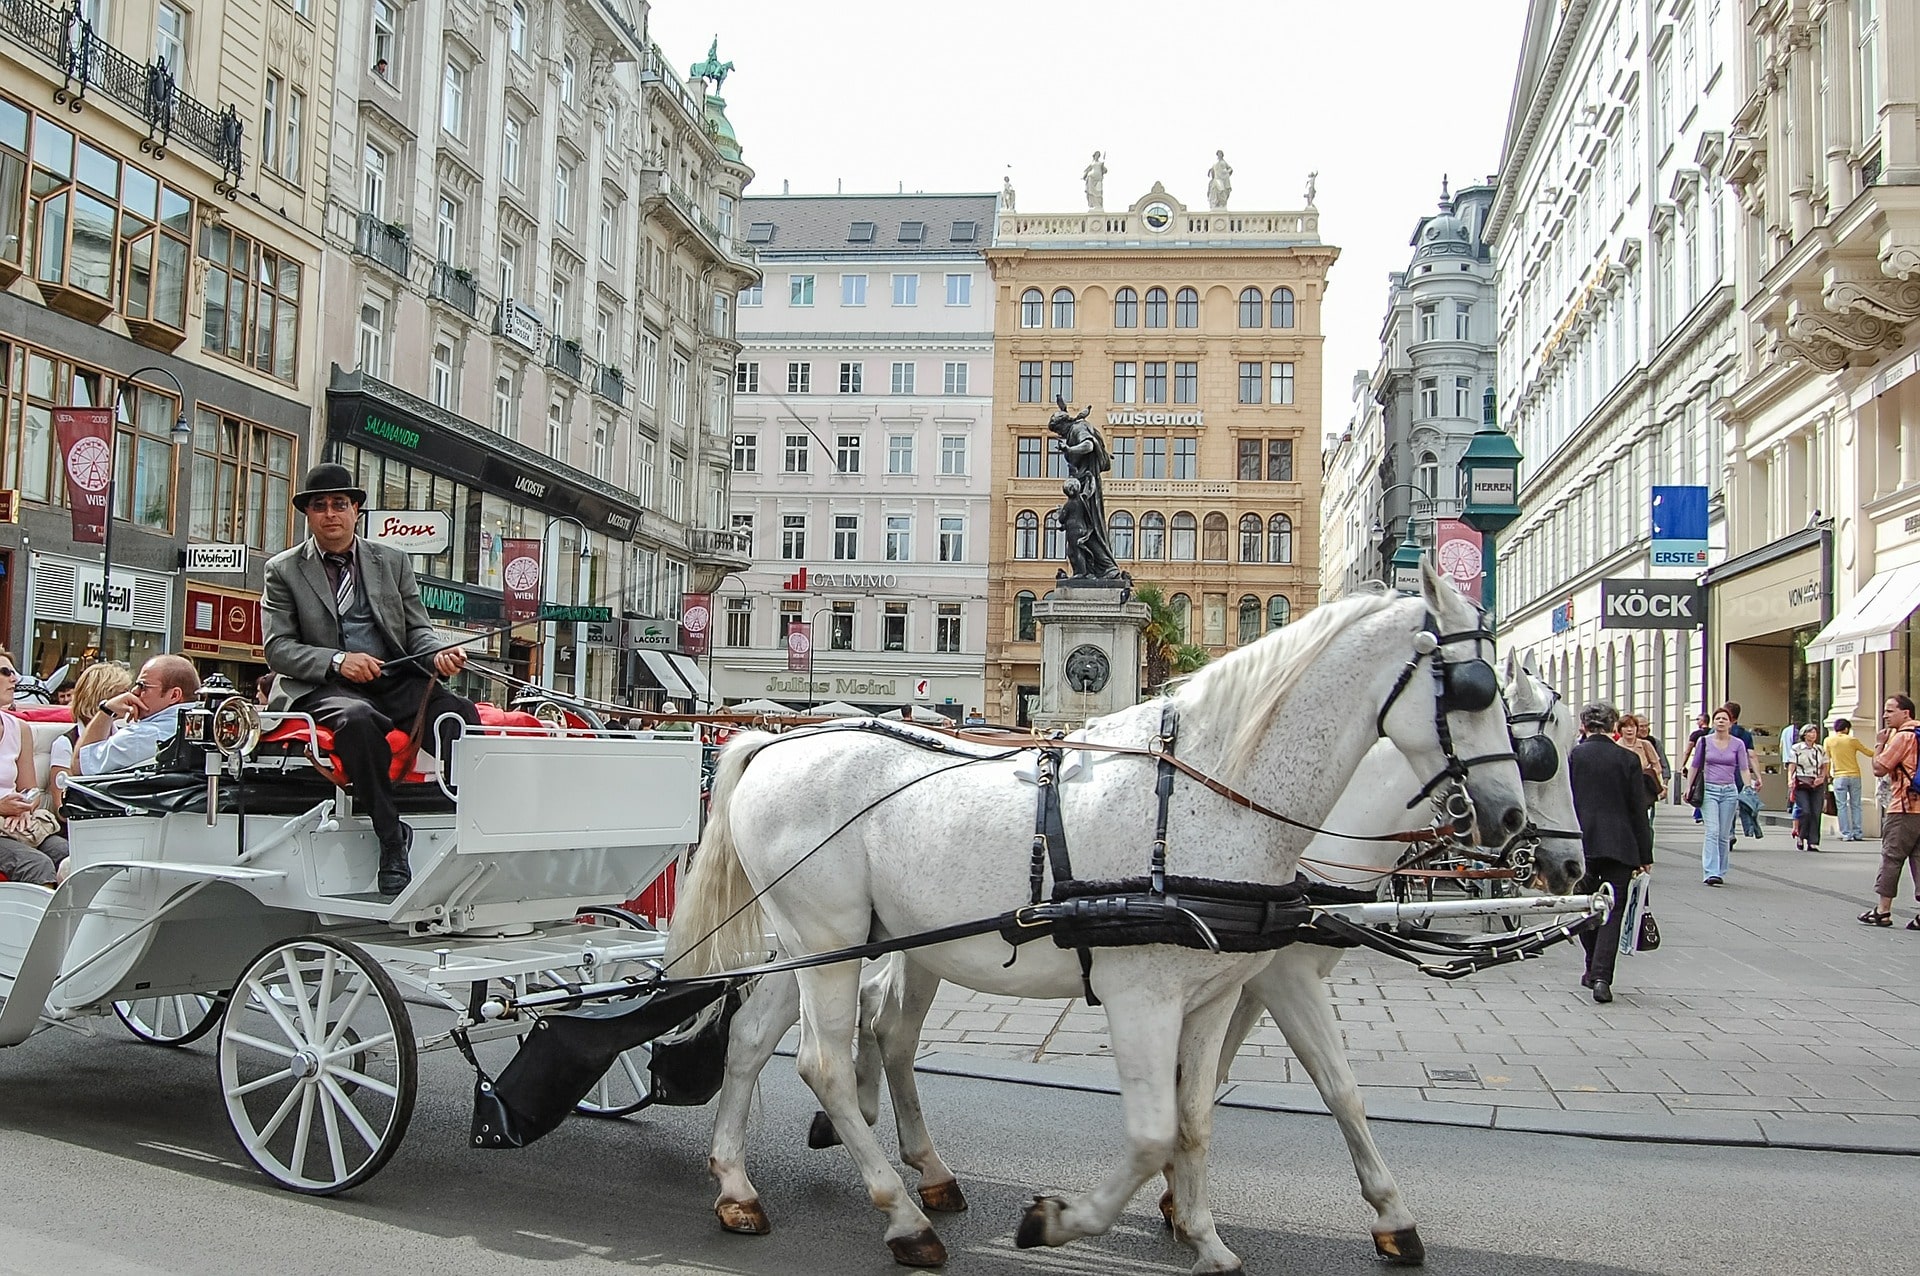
(1460, 686)
(1539, 758)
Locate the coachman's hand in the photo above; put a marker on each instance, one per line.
(451, 661)
(359, 667)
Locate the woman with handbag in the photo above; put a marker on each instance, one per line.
(1633, 738)
(1716, 773)
(31, 849)
(1808, 771)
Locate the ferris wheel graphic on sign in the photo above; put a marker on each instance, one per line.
(1460, 560)
(523, 572)
(695, 619)
(90, 464)
(799, 642)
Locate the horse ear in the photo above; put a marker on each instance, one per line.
(1439, 592)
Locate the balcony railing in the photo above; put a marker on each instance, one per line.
(519, 325)
(611, 385)
(656, 183)
(385, 242)
(565, 356)
(456, 288)
(86, 61)
(718, 543)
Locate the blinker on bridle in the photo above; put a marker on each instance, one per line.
(1460, 686)
(1538, 755)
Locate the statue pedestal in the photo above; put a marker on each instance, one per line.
(1090, 649)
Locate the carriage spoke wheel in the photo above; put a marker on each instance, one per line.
(317, 1065)
(171, 1021)
(628, 1084)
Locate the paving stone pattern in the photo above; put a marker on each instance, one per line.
(1766, 1002)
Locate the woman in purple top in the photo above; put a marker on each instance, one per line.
(1724, 760)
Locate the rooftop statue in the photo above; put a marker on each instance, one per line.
(1095, 177)
(1219, 181)
(713, 68)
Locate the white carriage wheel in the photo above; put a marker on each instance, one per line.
(317, 1064)
(171, 1021)
(628, 1084)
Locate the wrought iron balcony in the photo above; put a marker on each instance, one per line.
(564, 354)
(612, 386)
(456, 288)
(385, 242)
(68, 42)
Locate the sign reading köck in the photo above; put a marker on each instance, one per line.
(1632, 603)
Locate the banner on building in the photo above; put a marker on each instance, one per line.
(520, 578)
(800, 647)
(1457, 550)
(696, 623)
(86, 447)
(1680, 527)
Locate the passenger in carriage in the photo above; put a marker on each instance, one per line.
(27, 853)
(129, 729)
(100, 683)
(337, 610)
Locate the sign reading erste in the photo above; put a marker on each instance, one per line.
(1630, 603)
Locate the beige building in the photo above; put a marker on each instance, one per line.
(1195, 335)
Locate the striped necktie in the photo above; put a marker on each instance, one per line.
(342, 565)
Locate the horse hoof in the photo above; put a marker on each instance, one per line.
(821, 1133)
(1034, 1223)
(1166, 1208)
(1403, 1248)
(943, 1198)
(922, 1249)
(745, 1218)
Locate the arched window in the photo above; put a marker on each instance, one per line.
(1153, 535)
(1279, 539)
(1182, 615)
(1279, 611)
(1156, 307)
(1180, 546)
(1283, 307)
(1032, 307)
(1186, 309)
(1026, 534)
(1056, 539)
(1427, 476)
(1126, 308)
(1062, 308)
(1120, 535)
(1024, 630)
(1251, 304)
(1213, 544)
(1250, 538)
(1249, 612)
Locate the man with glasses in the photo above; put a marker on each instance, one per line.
(148, 715)
(338, 611)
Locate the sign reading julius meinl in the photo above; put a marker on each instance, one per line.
(520, 578)
(86, 449)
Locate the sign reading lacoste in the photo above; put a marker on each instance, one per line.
(1630, 603)
(1124, 417)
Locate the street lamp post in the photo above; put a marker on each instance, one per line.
(550, 637)
(178, 435)
(813, 633)
(1411, 544)
(1406, 564)
(713, 637)
(1490, 472)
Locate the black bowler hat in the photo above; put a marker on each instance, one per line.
(324, 480)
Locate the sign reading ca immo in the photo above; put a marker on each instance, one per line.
(1630, 603)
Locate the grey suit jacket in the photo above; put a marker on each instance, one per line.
(302, 620)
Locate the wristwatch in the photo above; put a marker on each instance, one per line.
(339, 658)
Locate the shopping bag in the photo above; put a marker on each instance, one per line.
(1632, 909)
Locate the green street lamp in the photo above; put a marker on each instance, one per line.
(1406, 564)
(1490, 477)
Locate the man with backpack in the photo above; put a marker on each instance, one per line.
(1898, 760)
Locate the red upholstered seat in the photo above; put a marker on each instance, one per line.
(42, 712)
(492, 715)
(321, 747)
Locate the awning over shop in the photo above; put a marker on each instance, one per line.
(663, 674)
(1868, 621)
(690, 674)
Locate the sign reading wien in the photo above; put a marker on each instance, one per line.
(1629, 603)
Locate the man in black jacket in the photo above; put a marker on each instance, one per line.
(1614, 831)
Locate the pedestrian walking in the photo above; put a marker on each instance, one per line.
(1748, 807)
(1718, 770)
(1616, 832)
(1897, 761)
(1807, 776)
(1702, 726)
(1844, 752)
(1633, 738)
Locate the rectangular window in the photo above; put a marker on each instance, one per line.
(952, 540)
(1153, 457)
(270, 108)
(795, 458)
(563, 194)
(947, 626)
(799, 378)
(510, 149)
(1155, 382)
(846, 538)
(1126, 383)
(851, 376)
(440, 376)
(791, 613)
(1428, 320)
(1462, 321)
(953, 455)
(1282, 387)
(1186, 383)
(746, 453)
(793, 536)
(899, 454)
(799, 290)
(739, 620)
(1250, 377)
(1186, 461)
(1123, 462)
(959, 290)
(903, 378)
(242, 477)
(899, 539)
(746, 377)
(609, 231)
(893, 626)
(293, 151)
(846, 456)
(906, 290)
(1249, 460)
(1031, 381)
(253, 305)
(170, 37)
(517, 27)
(954, 378)
(1462, 395)
(1429, 396)
(453, 99)
(569, 78)
(386, 42)
(840, 626)
(1060, 380)
(753, 296)
(1280, 460)
(1027, 456)
(649, 368)
(853, 290)
(505, 398)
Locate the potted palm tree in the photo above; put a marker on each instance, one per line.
(1169, 654)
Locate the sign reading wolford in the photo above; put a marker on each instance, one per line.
(1630, 603)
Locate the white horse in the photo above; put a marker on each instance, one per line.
(839, 836)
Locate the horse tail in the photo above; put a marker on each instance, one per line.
(716, 921)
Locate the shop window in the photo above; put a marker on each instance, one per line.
(253, 302)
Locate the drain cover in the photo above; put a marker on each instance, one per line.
(1465, 1076)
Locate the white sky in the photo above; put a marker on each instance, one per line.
(1380, 96)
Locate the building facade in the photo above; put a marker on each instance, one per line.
(862, 454)
(1612, 228)
(1349, 494)
(531, 272)
(161, 169)
(1812, 613)
(1196, 337)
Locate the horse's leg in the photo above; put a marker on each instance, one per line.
(867, 1063)
(1201, 1039)
(829, 1009)
(773, 1007)
(1294, 988)
(896, 1024)
(1246, 1014)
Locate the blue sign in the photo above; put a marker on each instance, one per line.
(1680, 527)
(1563, 617)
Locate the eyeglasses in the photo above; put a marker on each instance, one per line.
(141, 685)
(9, 673)
(329, 504)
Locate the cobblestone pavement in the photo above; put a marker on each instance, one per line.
(1768, 1015)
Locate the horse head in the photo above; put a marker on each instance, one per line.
(1544, 732)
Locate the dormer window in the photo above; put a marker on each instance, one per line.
(964, 232)
(760, 232)
(912, 232)
(860, 233)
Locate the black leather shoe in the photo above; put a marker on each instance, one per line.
(1586, 981)
(1602, 991)
(395, 871)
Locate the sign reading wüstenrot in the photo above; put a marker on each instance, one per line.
(1630, 603)
(411, 531)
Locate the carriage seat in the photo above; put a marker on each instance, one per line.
(408, 766)
(45, 723)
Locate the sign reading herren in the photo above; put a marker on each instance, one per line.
(1635, 603)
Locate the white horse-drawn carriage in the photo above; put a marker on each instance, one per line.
(232, 893)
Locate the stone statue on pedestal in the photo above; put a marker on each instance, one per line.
(1006, 194)
(1083, 514)
(1313, 186)
(1219, 181)
(1095, 177)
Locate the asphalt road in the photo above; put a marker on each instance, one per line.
(115, 1158)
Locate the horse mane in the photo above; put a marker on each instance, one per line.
(1252, 684)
